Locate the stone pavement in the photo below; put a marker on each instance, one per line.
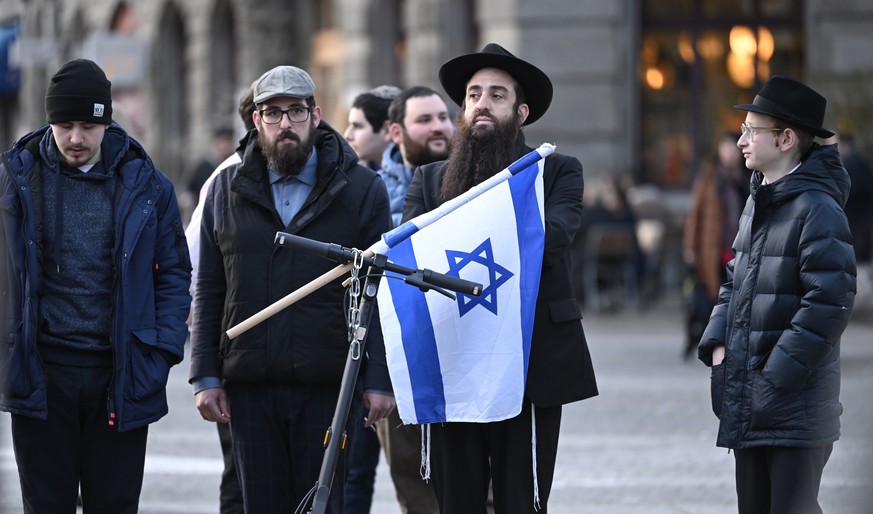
(644, 446)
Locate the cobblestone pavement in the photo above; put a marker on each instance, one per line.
(644, 446)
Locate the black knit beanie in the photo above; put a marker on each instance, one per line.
(79, 91)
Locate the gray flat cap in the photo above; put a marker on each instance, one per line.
(283, 81)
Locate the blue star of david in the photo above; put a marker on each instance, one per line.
(497, 275)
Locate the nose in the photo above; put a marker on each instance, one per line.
(348, 135)
(285, 120)
(76, 135)
(481, 104)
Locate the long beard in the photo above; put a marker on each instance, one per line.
(288, 160)
(478, 153)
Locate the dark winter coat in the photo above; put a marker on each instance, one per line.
(560, 369)
(790, 292)
(152, 277)
(242, 271)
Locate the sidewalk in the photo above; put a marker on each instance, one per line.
(645, 445)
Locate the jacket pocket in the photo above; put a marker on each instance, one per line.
(772, 409)
(149, 368)
(716, 388)
(15, 375)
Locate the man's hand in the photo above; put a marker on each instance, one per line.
(379, 405)
(717, 355)
(212, 404)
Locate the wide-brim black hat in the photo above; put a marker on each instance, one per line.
(793, 102)
(536, 85)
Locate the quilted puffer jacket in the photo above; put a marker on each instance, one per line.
(780, 316)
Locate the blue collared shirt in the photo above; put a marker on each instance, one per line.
(290, 192)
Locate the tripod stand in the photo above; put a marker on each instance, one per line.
(360, 314)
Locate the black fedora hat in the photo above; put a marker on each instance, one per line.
(792, 102)
(537, 87)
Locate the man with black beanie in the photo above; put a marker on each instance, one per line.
(95, 296)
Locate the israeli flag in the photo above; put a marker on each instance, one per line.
(466, 360)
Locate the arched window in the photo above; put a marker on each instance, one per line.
(224, 83)
(169, 94)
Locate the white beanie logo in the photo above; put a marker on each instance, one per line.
(98, 110)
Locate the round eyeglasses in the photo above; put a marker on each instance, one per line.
(296, 113)
(748, 130)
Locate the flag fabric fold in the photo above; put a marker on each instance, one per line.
(466, 360)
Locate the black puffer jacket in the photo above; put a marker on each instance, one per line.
(790, 291)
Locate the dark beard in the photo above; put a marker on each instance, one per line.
(288, 161)
(477, 154)
(420, 154)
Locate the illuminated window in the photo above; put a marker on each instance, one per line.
(698, 58)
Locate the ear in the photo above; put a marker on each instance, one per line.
(395, 133)
(316, 116)
(256, 116)
(787, 140)
(523, 112)
(385, 131)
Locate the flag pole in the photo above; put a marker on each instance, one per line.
(391, 238)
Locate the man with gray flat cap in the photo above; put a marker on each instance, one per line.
(499, 94)
(278, 383)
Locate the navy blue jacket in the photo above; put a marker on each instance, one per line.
(152, 276)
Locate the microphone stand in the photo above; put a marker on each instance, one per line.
(335, 438)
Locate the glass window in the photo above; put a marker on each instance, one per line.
(695, 66)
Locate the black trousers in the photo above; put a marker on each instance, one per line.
(76, 447)
(278, 443)
(465, 457)
(780, 480)
(230, 494)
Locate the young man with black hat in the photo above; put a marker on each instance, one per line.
(499, 94)
(95, 296)
(773, 340)
(279, 381)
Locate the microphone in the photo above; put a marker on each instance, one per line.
(344, 255)
(330, 251)
(452, 283)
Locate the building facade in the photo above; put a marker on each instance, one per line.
(642, 87)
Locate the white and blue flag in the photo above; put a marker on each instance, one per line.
(466, 360)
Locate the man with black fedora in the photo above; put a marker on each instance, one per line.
(773, 339)
(499, 94)
(95, 282)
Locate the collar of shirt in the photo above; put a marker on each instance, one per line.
(290, 193)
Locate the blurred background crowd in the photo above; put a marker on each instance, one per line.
(643, 95)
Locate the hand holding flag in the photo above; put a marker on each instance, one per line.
(467, 360)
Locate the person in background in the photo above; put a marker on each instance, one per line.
(421, 131)
(499, 94)
(718, 195)
(95, 283)
(858, 208)
(367, 132)
(230, 494)
(278, 383)
(221, 146)
(773, 340)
